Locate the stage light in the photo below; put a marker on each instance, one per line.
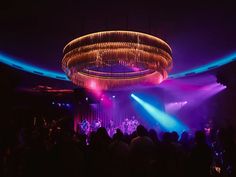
(113, 96)
(53, 102)
(168, 122)
(86, 98)
(174, 107)
(68, 105)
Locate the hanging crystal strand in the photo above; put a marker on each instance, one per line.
(100, 51)
(108, 51)
(124, 60)
(138, 52)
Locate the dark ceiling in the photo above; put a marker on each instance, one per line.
(197, 31)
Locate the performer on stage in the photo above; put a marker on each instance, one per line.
(85, 127)
(111, 128)
(125, 125)
(96, 124)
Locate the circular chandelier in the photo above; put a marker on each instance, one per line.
(110, 59)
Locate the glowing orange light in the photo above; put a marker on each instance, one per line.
(95, 57)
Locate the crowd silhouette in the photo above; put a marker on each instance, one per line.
(40, 152)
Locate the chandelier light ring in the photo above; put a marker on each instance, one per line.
(127, 54)
(111, 36)
(112, 59)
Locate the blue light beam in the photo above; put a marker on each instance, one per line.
(15, 63)
(207, 67)
(30, 68)
(166, 121)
